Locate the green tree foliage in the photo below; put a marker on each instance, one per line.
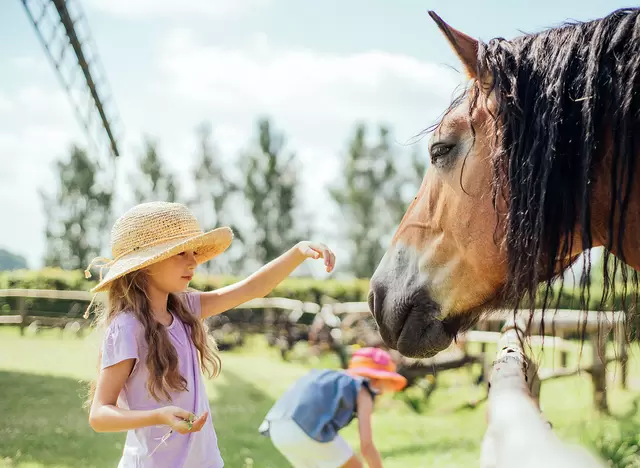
(11, 261)
(78, 214)
(271, 191)
(213, 201)
(153, 182)
(372, 196)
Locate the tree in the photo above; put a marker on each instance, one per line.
(152, 182)
(78, 214)
(11, 261)
(214, 192)
(271, 190)
(372, 196)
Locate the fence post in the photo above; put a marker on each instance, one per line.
(564, 354)
(598, 369)
(622, 351)
(22, 310)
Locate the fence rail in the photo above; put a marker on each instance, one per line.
(342, 319)
(517, 433)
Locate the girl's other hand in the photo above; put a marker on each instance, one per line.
(180, 420)
(317, 250)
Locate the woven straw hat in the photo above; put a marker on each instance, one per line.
(151, 232)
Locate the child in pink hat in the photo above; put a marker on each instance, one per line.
(304, 423)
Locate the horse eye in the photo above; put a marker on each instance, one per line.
(439, 150)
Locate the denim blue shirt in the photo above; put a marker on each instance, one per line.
(321, 403)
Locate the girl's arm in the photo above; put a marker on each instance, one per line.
(105, 416)
(262, 282)
(367, 447)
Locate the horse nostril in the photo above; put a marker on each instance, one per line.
(375, 299)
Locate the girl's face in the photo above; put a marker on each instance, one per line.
(173, 274)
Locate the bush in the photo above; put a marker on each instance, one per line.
(303, 289)
(618, 443)
(47, 278)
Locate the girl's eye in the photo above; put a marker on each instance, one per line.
(182, 254)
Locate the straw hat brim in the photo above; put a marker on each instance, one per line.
(398, 381)
(207, 246)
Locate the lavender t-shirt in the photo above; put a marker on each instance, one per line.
(124, 339)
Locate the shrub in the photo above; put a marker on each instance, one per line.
(303, 289)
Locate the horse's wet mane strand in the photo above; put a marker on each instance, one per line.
(560, 95)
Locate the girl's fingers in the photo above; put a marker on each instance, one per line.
(322, 249)
(182, 414)
(199, 423)
(313, 253)
(180, 425)
(317, 250)
(332, 261)
(329, 259)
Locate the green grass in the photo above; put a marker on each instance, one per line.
(42, 423)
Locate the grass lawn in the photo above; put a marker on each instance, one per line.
(42, 423)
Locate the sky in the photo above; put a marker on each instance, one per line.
(315, 68)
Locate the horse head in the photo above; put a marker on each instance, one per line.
(516, 168)
(443, 261)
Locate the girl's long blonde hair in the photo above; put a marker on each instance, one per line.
(128, 294)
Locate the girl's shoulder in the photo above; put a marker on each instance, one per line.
(336, 377)
(122, 340)
(191, 300)
(358, 381)
(125, 322)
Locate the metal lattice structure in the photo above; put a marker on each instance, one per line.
(63, 31)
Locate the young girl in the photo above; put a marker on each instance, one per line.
(155, 343)
(304, 423)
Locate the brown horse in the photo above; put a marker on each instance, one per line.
(533, 165)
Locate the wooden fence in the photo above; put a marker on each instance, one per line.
(347, 323)
(550, 329)
(517, 433)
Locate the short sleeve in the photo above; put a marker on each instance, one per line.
(120, 343)
(366, 383)
(192, 300)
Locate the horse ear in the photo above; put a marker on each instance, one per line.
(464, 46)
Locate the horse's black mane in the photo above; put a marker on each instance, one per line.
(560, 93)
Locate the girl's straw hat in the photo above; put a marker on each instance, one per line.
(376, 363)
(152, 232)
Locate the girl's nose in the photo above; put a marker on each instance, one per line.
(191, 260)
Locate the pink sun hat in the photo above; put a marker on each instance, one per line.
(376, 363)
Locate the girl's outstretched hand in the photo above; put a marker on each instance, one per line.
(317, 250)
(182, 421)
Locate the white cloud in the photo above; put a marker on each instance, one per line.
(170, 8)
(29, 64)
(38, 129)
(27, 161)
(315, 98)
(311, 94)
(5, 104)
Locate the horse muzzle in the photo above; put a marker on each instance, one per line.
(408, 320)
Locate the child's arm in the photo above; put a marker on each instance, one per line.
(260, 283)
(105, 416)
(367, 447)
